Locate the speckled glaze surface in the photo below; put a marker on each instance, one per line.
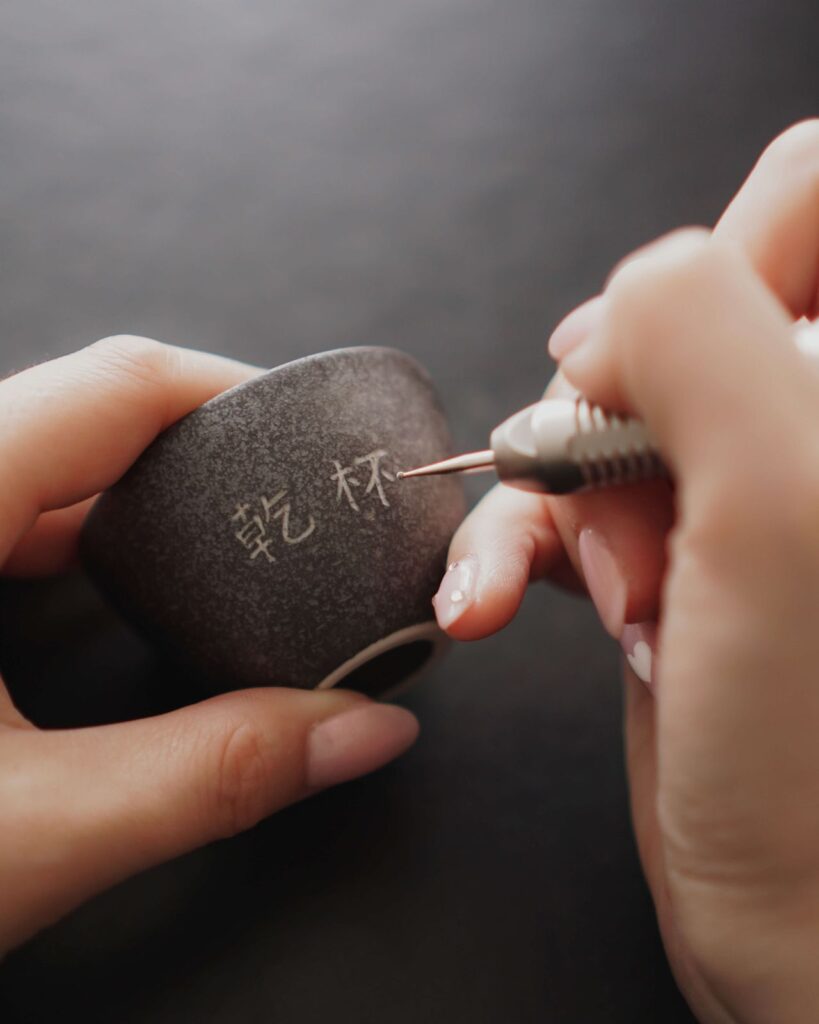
(265, 537)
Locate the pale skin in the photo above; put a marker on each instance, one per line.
(81, 809)
(694, 334)
(723, 760)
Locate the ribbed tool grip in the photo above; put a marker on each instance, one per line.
(559, 445)
(612, 449)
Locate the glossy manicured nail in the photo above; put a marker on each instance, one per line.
(605, 582)
(576, 327)
(806, 336)
(639, 643)
(457, 590)
(356, 742)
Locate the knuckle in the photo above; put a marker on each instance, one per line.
(649, 286)
(796, 148)
(142, 359)
(241, 780)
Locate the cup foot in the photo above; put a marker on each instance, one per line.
(391, 663)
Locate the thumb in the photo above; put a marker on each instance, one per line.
(103, 803)
(692, 341)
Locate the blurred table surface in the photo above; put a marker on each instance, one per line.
(448, 177)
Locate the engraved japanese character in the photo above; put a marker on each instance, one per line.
(342, 475)
(283, 513)
(252, 536)
(376, 472)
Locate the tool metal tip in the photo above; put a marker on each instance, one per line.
(473, 462)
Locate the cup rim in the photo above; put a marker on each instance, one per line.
(428, 631)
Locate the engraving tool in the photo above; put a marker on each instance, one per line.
(557, 446)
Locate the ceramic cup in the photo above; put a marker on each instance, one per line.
(266, 539)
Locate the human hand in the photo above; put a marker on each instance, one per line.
(81, 809)
(694, 335)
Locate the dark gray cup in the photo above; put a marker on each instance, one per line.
(266, 539)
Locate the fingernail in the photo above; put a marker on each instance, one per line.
(605, 582)
(356, 742)
(639, 643)
(806, 336)
(576, 327)
(457, 590)
(585, 357)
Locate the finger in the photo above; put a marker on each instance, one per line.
(616, 541)
(507, 540)
(573, 328)
(775, 217)
(641, 766)
(72, 426)
(639, 715)
(96, 805)
(50, 546)
(512, 538)
(683, 326)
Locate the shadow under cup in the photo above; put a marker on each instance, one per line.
(266, 539)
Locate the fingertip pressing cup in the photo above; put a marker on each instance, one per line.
(266, 539)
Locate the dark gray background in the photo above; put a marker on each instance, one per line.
(445, 176)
